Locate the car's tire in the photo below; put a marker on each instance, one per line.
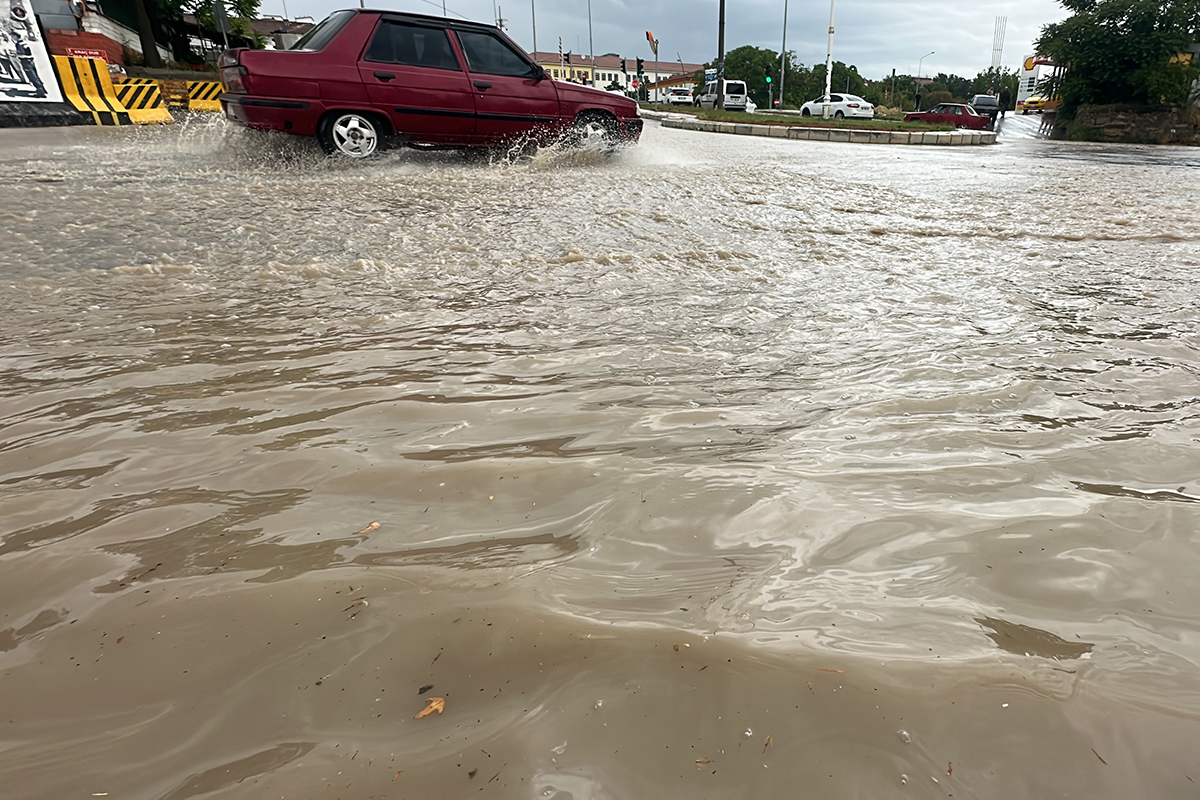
(805, 113)
(838, 115)
(595, 130)
(351, 134)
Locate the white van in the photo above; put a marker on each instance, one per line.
(735, 96)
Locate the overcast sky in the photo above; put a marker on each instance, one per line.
(876, 35)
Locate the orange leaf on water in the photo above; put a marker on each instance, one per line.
(704, 761)
(397, 775)
(433, 704)
(810, 688)
(768, 744)
(374, 526)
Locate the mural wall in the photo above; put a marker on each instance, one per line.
(26, 73)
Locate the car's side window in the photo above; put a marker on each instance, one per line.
(835, 98)
(412, 45)
(489, 55)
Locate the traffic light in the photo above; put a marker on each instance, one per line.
(768, 79)
(623, 67)
(641, 66)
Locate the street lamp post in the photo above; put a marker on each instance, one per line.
(783, 54)
(829, 62)
(919, 63)
(591, 47)
(533, 14)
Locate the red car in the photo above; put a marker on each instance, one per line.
(959, 115)
(364, 78)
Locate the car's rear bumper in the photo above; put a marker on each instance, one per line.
(273, 113)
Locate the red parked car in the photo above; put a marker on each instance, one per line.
(959, 115)
(363, 78)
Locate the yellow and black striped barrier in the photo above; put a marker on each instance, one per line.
(142, 98)
(204, 95)
(88, 87)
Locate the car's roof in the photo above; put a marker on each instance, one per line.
(426, 18)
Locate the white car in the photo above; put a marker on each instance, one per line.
(735, 96)
(841, 106)
(679, 97)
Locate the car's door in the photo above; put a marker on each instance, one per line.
(509, 100)
(413, 75)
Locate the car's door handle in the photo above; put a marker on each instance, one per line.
(385, 76)
(482, 85)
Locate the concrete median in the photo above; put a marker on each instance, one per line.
(827, 134)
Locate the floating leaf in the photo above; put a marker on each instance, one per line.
(704, 761)
(768, 744)
(437, 704)
(838, 671)
(1102, 761)
(397, 775)
(374, 526)
(811, 689)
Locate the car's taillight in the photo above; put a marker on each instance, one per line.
(852, 105)
(232, 78)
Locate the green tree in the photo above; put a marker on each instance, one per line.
(1122, 51)
(997, 79)
(845, 80)
(753, 65)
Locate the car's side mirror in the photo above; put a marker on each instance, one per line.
(539, 73)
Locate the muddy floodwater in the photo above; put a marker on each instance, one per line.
(720, 468)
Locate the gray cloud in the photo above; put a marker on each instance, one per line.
(877, 35)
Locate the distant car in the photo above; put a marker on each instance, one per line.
(959, 115)
(679, 97)
(1035, 103)
(986, 104)
(841, 106)
(364, 78)
(735, 96)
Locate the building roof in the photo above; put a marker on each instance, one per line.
(611, 62)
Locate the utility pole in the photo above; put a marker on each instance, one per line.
(829, 61)
(591, 47)
(721, 58)
(783, 54)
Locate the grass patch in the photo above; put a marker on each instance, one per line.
(807, 122)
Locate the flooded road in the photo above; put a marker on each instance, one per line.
(724, 468)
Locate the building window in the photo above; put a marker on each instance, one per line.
(556, 73)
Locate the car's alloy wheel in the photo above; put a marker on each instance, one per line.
(594, 131)
(351, 135)
(839, 115)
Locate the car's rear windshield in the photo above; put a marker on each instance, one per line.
(323, 34)
(735, 87)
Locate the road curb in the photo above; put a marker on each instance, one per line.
(847, 135)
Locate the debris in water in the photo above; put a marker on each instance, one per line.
(472, 773)
(949, 769)
(704, 761)
(374, 526)
(425, 688)
(1102, 761)
(437, 704)
(838, 671)
(768, 744)
(397, 775)
(905, 736)
(811, 689)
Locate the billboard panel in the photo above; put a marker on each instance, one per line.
(26, 73)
